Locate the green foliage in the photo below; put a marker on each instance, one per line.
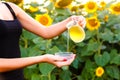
(100, 48)
(102, 60)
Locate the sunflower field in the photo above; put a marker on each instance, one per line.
(98, 56)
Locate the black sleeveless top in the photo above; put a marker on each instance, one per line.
(10, 31)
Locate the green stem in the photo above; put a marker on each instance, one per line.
(49, 76)
(93, 78)
(98, 39)
(68, 43)
(47, 44)
(25, 42)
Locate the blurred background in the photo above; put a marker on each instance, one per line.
(98, 56)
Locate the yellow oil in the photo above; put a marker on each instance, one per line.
(76, 33)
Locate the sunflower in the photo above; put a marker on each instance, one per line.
(115, 8)
(33, 9)
(92, 23)
(44, 19)
(103, 4)
(106, 18)
(63, 3)
(53, 0)
(74, 8)
(81, 6)
(99, 71)
(91, 6)
(15, 1)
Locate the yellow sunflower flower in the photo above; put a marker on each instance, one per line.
(115, 8)
(53, 0)
(103, 4)
(92, 23)
(44, 19)
(15, 1)
(63, 3)
(99, 71)
(106, 18)
(91, 6)
(74, 8)
(100, 9)
(81, 6)
(33, 9)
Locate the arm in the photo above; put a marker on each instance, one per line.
(35, 27)
(17, 63)
(46, 32)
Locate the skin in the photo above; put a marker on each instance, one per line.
(35, 27)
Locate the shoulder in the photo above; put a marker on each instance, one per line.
(14, 7)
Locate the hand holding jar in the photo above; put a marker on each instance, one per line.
(76, 28)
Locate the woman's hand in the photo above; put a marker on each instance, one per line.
(57, 60)
(78, 19)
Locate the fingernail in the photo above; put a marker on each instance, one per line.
(64, 59)
(75, 56)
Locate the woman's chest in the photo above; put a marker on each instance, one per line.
(10, 27)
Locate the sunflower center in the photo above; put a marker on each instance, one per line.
(63, 3)
(44, 20)
(91, 5)
(116, 8)
(92, 22)
(99, 71)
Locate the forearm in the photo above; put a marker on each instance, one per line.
(56, 29)
(17, 63)
(43, 31)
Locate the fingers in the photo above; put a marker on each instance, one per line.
(65, 63)
(59, 61)
(80, 20)
(82, 23)
(49, 58)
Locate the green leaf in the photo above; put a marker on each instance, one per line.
(35, 77)
(37, 40)
(113, 72)
(50, 6)
(52, 50)
(90, 66)
(102, 60)
(43, 77)
(80, 77)
(116, 60)
(34, 52)
(92, 46)
(28, 35)
(63, 11)
(89, 34)
(107, 35)
(46, 68)
(65, 75)
(113, 19)
(53, 77)
(113, 53)
(76, 63)
(86, 74)
(43, 44)
(85, 52)
(24, 51)
(118, 36)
